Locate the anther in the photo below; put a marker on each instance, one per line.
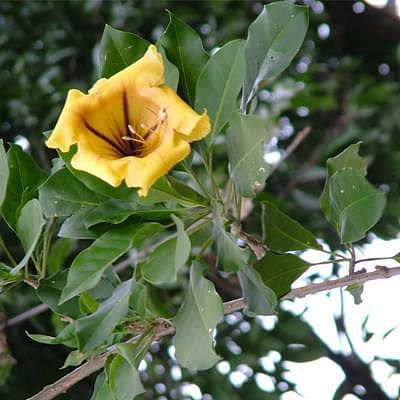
(133, 131)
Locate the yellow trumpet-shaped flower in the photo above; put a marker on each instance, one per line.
(129, 127)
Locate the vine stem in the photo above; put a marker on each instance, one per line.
(95, 364)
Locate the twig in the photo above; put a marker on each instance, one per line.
(66, 382)
(41, 308)
(292, 147)
(357, 278)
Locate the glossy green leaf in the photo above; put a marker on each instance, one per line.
(74, 359)
(74, 226)
(145, 231)
(90, 264)
(356, 205)
(259, 299)
(170, 189)
(63, 195)
(87, 304)
(145, 302)
(66, 337)
(102, 389)
(171, 72)
(59, 252)
(282, 233)
(29, 227)
(246, 137)
(279, 271)
(94, 330)
(162, 266)
(223, 76)
(230, 257)
(122, 372)
(117, 211)
(24, 178)
(184, 48)
(124, 380)
(348, 158)
(4, 172)
(274, 38)
(196, 321)
(49, 292)
(118, 50)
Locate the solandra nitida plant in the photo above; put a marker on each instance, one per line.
(134, 175)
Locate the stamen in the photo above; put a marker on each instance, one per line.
(134, 132)
(128, 138)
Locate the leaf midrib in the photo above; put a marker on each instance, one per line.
(219, 111)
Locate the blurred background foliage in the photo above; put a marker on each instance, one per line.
(344, 85)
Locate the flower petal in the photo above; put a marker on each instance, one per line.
(96, 158)
(181, 116)
(65, 133)
(144, 172)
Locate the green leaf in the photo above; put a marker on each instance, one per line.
(162, 266)
(66, 337)
(49, 293)
(90, 264)
(74, 226)
(184, 48)
(274, 38)
(170, 189)
(124, 380)
(74, 359)
(230, 257)
(94, 330)
(171, 72)
(259, 299)
(246, 136)
(356, 291)
(87, 304)
(196, 321)
(102, 389)
(63, 195)
(117, 211)
(44, 339)
(348, 158)
(279, 271)
(60, 250)
(223, 76)
(282, 233)
(145, 302)
(4, 172)
(24, 178)
(29, 227)
(122, 372)
(356, 205)
(118, 50)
